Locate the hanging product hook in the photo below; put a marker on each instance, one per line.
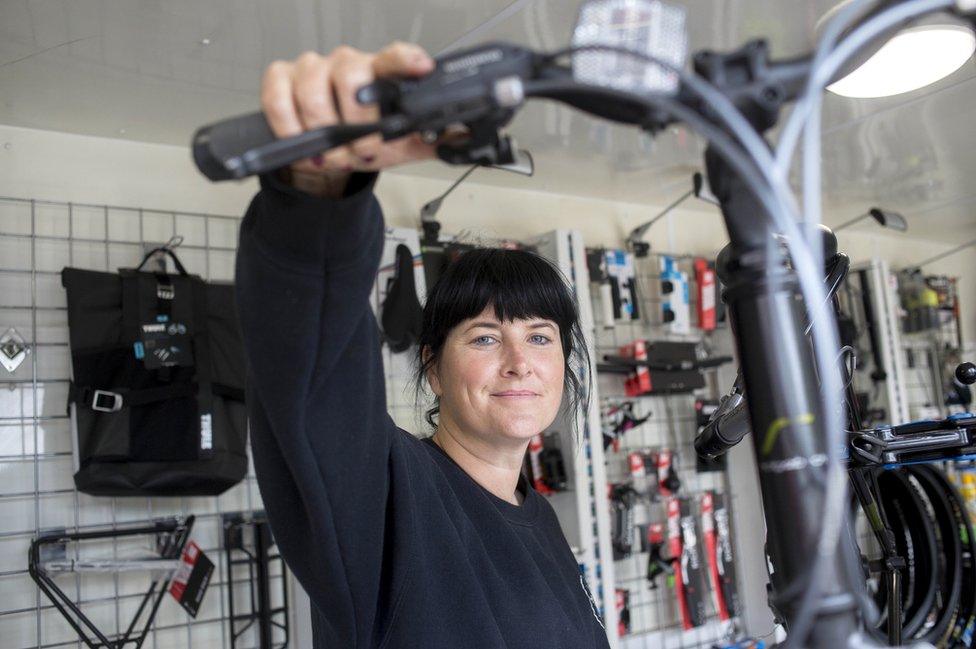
(174, 242)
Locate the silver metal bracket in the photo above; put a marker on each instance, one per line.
(13, 350)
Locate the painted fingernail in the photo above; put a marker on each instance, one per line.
(369, 159)
(317, 160)
(347, 168)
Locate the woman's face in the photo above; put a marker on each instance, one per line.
(500, 378)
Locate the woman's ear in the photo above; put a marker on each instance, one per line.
(431, 374)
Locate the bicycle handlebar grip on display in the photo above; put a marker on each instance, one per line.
(244, 146)
(725, 431)
(218, 148)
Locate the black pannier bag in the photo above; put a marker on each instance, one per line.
(157, 391)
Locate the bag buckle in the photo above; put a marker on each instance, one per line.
(116, 401)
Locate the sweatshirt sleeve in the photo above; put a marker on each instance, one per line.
(320, 431)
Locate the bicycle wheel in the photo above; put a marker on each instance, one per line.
(960, 633)
(941, 622)
(915, 541)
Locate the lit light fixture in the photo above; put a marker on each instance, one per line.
(910, 59)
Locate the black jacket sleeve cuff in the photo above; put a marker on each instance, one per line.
(305, 230)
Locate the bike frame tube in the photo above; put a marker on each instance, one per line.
(788, 439)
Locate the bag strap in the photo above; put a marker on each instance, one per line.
(115, 400)
(107, 400)
(168, 251)
(201, 354)
(130, 305)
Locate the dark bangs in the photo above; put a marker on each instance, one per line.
(518, 285)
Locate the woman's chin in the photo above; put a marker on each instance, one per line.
(522, 430)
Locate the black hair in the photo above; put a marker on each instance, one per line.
(519, 285)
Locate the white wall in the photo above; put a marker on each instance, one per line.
(54, 166)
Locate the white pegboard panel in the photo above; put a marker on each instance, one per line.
(38, 239)
(398, 368)
(654, 615)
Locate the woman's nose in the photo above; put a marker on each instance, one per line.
(516, 361)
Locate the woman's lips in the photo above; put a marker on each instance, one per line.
(515, 394)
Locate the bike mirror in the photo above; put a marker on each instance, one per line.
(888, 219)
(701, 190)
(523, 163)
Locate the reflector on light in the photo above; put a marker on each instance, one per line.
(912, 59)
(649, 27)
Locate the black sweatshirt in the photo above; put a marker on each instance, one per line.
(395, 544)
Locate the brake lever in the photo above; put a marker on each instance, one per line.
(479, 88)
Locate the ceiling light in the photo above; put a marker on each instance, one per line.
(912, 59)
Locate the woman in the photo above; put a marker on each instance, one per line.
(400, 542)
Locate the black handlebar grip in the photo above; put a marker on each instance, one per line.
(719, 435)
(218, 149)
(966, 373)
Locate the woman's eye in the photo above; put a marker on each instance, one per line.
(541, 339)
(483, 340)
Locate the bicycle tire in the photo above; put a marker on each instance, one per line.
(961, 632)
(950, 555)
(915, 541)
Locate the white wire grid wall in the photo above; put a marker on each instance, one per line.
(928, 368)
(38, 239)
(655, 620)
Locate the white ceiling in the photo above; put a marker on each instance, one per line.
(139, 70)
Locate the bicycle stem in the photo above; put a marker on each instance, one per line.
(789, 446)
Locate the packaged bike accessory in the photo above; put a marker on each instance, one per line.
(156, 397)
(718, 549)
(657, 565)
(623, 289)
(675, 312)
(638, 381)
(535, 449)
(689, 582)
(707, 293)
(617, 420)
(623, 498)
(596, 264)
(659, 367)
(553, 465)
(623, 611)
(643, 472)
(668, 482)
(546, 468)
(725, 560)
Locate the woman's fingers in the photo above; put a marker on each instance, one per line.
(315, 91)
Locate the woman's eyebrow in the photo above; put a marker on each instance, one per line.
(484, 323)
(494, 325)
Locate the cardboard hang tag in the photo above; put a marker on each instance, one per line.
(190, 582)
